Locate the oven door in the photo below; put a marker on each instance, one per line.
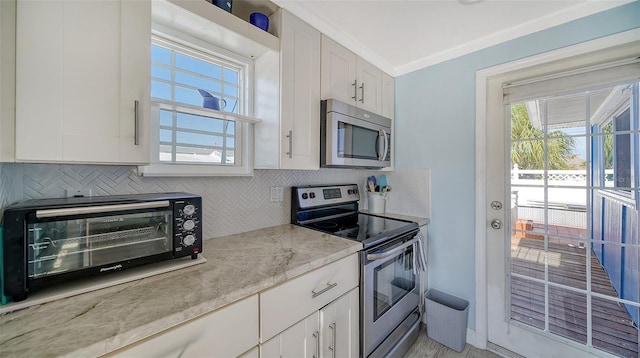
(390, 290)
(355, 142)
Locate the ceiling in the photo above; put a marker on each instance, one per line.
(401, 36)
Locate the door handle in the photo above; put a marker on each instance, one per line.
(136, 122)
(383, 133)
(315, 294)
(355, 90)
(384, 254)
(290, 136)
(496, 224)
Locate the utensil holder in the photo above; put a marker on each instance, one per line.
(376, 203)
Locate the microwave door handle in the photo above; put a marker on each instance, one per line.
(382, 133)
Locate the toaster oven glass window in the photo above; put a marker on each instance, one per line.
(69, 245)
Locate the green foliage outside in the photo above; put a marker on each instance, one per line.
(529, 154)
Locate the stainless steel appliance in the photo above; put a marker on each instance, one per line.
(50, 241)
(389, 284)
(353, 138)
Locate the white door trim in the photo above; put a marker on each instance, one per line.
(482, 82)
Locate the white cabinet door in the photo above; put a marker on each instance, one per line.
(80, 66)
(350, 79)
(339, 327)
(338, 72)
(302, 340)
(369, 86)
(300, 97)
(228, 332)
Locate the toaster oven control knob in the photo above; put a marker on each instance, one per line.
(189, 209)
(188, 225)
(188, 240)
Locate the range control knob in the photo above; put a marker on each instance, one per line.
(355, 191)
(188, 225)
(188, 240)
(312, 195)
(189, 209)
(305, 196)
(349, 191)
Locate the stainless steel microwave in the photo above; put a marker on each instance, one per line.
(50, 241)
(353, 138)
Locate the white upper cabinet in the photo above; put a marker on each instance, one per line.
(349, 78)
(292, 139)
(82, 81)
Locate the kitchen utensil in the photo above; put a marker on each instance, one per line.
(383, 181)
(210, 101)
(260, 20)
(371, 186)
(373, 180)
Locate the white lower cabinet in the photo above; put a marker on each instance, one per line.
(339, 327)
(231, 331)
(302, 340)
(331, 332)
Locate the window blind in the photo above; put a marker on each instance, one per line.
(588, 78)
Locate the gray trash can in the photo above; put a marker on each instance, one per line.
(446, 319)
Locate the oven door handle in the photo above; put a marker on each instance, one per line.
(392, 252)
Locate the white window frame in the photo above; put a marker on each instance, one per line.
(243, 155)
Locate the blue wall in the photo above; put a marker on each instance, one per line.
(435, 129)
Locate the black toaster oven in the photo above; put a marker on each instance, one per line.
(50, 241)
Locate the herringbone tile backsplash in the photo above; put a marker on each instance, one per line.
(231, 204)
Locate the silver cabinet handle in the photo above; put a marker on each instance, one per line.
(290, 152)
(136, 123)
(362, 93)
(355, 90)
(332, 326)
(316, 335)
(315, 294)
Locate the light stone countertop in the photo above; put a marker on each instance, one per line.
(237, 266)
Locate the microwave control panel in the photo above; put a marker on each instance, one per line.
(187, 228)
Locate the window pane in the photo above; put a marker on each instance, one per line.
(231, 91)
(191, 121)
(231, 157)
(231, 128)
(199, 82)
(527, 302)
(230, 76)
(193, 154)
(197, 66)
(160, 54)
(165, 153)
(161, 90)
(232, 106)
(231, 143)
(165, 135)
(525, 121)
(568, 314)
(161, 72)
(166, 118)
(566, 114)
(198, 139)
(188, 96)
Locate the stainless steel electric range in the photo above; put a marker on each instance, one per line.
(389, 284)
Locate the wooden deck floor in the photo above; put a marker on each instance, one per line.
(613, 329)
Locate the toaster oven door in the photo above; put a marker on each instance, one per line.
(65, 244)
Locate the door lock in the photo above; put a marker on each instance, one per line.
(496, 205)
(496, 224)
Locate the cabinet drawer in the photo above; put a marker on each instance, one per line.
(284, 305)
(227, 332)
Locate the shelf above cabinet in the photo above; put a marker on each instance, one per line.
(214, 25)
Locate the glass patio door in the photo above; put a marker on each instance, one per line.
(570, 243)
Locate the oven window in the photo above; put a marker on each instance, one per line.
(392, 281)
(70, 245)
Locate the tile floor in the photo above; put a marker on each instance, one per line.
(425, 347)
